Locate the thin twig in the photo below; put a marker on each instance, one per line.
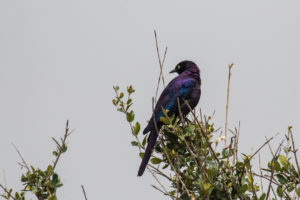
(270, 148)
(274, 193)
(237, 142)
(158, 181)
(295, 153)
(262, 146)
(4, 178)
(252, 184)
(180, 113)
(20, 155)
(7, 192)
(56, 142)
(272, 172)
(160, 190)
(227, 101)
(67, 133)
(202, 132)
(158, 54)
(276, 183)
(161, 76)
(83, 191)
(172, 166)
(160, 172)
(260, 170)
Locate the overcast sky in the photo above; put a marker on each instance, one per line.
(60, 59)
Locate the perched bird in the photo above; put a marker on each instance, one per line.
(186, 86)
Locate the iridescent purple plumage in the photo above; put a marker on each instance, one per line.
(186, 86)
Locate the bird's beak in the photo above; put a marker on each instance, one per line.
(174, 70)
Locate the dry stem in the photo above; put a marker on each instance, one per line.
(227, 101)
(83, 190)
(23, 160)
(161, 64)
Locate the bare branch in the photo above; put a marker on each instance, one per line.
(160, 190)
(295, 152)
(4, 178)
(20, 155)
(159, 172)
(227, 101)
(83, 190)
(158, 181)
(7, 192)
(161, 64)
(260, 171)
(272, 172)
(262, 146)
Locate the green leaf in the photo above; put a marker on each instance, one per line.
(225, 153)
(188, 130)
(136, 128)
(55, 179)
(116, 88)
(263, 196)
(165, 111)
(49, 169)
(144, 140)
(164, 120)
(134, 143)
(283, 160)
(279, 191)
(281, 179)
(34, 189)
(129, 101)
(277, 166)
(141, 154)
(297, 189)
(130, 89)
(52, 197)
(121, 95)
(64, 148)
(54, 153)
(165, 166)
(243, 189)
(17, 196)
(155, 160)
(130, 116)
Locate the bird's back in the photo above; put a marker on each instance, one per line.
(182, 87)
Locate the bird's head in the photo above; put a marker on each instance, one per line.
(185, 65)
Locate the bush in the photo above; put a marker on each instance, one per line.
(187, 155)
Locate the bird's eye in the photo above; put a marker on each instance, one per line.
(178, 66)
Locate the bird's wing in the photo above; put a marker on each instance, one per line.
(177, 88)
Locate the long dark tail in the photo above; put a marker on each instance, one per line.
(151, 142)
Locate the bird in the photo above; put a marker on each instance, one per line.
(184, 87)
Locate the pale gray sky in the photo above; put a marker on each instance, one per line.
(60, 59)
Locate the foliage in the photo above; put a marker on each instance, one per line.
(42, 183)
(188, 150)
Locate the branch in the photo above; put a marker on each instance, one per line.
(7, 192)
(227, 101)
(59, 149)
(272, 172)
(23, 160)
(161, 64)
(295, 153)
(84, 192)
(262, 147)
(203, 134)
